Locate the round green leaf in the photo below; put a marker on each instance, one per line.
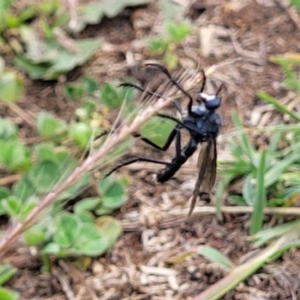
(110, 96)
(34, 236)
(81, 134)
(45, 175)
(11, 87)
(12, 205)
(67, 230)
(87, 204)
(49, 126)
(51, 248)
(89, 240)
(8, 130)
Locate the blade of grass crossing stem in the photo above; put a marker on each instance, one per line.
(242, 272)
(264, 236)
(275, 171)
(274, 141)
(246, 145)
(281, 108)
(221, 189)
(259, 204)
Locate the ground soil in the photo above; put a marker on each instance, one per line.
(137, 266)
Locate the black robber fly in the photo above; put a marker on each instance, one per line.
(203, 123)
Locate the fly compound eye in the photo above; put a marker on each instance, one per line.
(213, 103)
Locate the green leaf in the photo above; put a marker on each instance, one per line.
(11, 86)
(67, 61)
(81, 133)
(110, 230)
(24, 189)
(259, 204)
(170, 9)
(264, 236)
(45, 151)
(178, 31)
(273, 174)
(12, 206)
(157, 130)
(5, 5)
(4, 193)
(85, 216)
(115, 197)
(216, 256)
(87, 204)
(110, 96)
(51, 248)
(30, 203)
(248, 190)
(281, 108)
(34, 236)
(157, 45)
(220, 191)
(46, 59)
(112, 192)
(102, 210)
(8, 130)
(85, 113)
(76, 188)
(35, 71)
(14, 155)
(7, 271)
(244, 139)
(45, 175)
(236, 200)
(6, 294)
(68, 227)
(89, 240)
(49, 126)
(82, 87)
(93, 12)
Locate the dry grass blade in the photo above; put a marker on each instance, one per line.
(119, 135)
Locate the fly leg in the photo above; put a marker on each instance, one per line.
(136, 159)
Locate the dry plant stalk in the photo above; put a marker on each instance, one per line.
(120, 134)
(175, 217)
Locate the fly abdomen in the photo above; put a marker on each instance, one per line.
(169, 171)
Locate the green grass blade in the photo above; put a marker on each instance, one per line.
(248, 190)
(276, 170)
(216, 256)
(245, 143)
(266, 235)
(242, 272)
(221, 188)
(281, 108)
(274, 140)
(259, 204)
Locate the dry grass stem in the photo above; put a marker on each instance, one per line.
(119, 135)
(177, 216)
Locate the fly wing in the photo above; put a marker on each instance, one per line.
(207, 164)
(210, 172)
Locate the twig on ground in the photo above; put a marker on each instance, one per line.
(65, 285)
(177, 216)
